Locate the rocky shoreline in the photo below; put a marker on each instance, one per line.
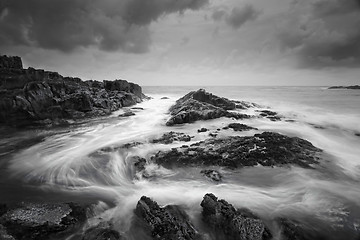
(38, 97)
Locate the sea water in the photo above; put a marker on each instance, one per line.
(86, 163)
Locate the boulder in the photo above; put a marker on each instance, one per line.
(232, 224)
(43, 220)
(267, 149)
(202, 130)
(165, 223)
(201, 105)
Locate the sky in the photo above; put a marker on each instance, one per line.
(188, 42)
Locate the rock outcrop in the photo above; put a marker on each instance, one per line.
(201, 105)
(42, 220)
(32, 96)
(165, 223)
(232, 224)
(267, 149)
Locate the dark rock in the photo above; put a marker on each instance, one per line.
(43, 220)
(137, 108)
(4, 234)
(230, 223)
(201, 105)
(294, 230)
(139, 163)
(357, 134)
(345, 87)
(101, 232)
(126, 114)
(30, 96)
(164, 98)
(240, 127)
(10, 62)
(273, 116)
(165, 223)
(212, 134)
(212, 174)
(267, 149)
(202, 130)
(170, 137)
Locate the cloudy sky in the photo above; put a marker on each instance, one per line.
(188, 42)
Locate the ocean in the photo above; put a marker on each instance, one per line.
(70, 163)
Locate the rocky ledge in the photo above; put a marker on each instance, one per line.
(201, 105)
(267, 149)
(34, 96)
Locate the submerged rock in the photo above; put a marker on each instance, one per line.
(345, 87)
(101, 232)
(170, 137)
(240, 127)
(267, 149)
(212, 174)
(201, 105)
(165, 223)
(202, 130)
(43, 220)
(273, 116)
(232, 224)
(126, 114)
(34, 96)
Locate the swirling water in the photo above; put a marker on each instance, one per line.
(86, 163)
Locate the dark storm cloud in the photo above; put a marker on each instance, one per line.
(330, 36)
(237, 16)
(69, 24)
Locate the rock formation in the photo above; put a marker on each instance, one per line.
(34, 96)
(201, 105)
(232, 224)
(165, 223)
(170, 137)
(42, 220)
(267, 149)
(345, 87)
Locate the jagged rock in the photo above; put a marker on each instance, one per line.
(30, 96)
(230, 223)
(212, 174)
(165, 223)
(267, 149)
(43, 220)
(101, 232)
(202, 130)
(201, 105)
(240, 127)
(170, 137)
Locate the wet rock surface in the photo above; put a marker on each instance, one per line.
(165, 223)
(201, 105)
(43, 220)
(127, 114)
(102, 232)
(345, 87)
(273, 116)
(293, 230)
(239, 127)
(213, 175)
(170, 137)
(267, 149)
(34, 96)
(230, 223)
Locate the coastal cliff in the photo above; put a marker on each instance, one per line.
(35, 96)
